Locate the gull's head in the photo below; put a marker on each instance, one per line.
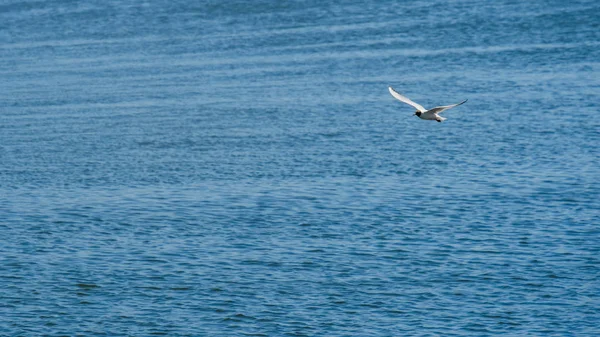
(417, 113)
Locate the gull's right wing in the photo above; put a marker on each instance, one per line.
(439, 109)
(406, 100)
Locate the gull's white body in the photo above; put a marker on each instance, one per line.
(431, 114)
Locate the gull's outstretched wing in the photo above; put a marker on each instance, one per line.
(439, 109)
(406, 100)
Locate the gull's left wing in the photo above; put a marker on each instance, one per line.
(406, 100)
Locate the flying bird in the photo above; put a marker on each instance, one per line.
(431, 114)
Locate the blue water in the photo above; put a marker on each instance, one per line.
(238, 168)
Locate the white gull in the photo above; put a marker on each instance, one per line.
(431, 114)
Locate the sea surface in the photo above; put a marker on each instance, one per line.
(238, 168)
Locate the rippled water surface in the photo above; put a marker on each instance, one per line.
(238, 168)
